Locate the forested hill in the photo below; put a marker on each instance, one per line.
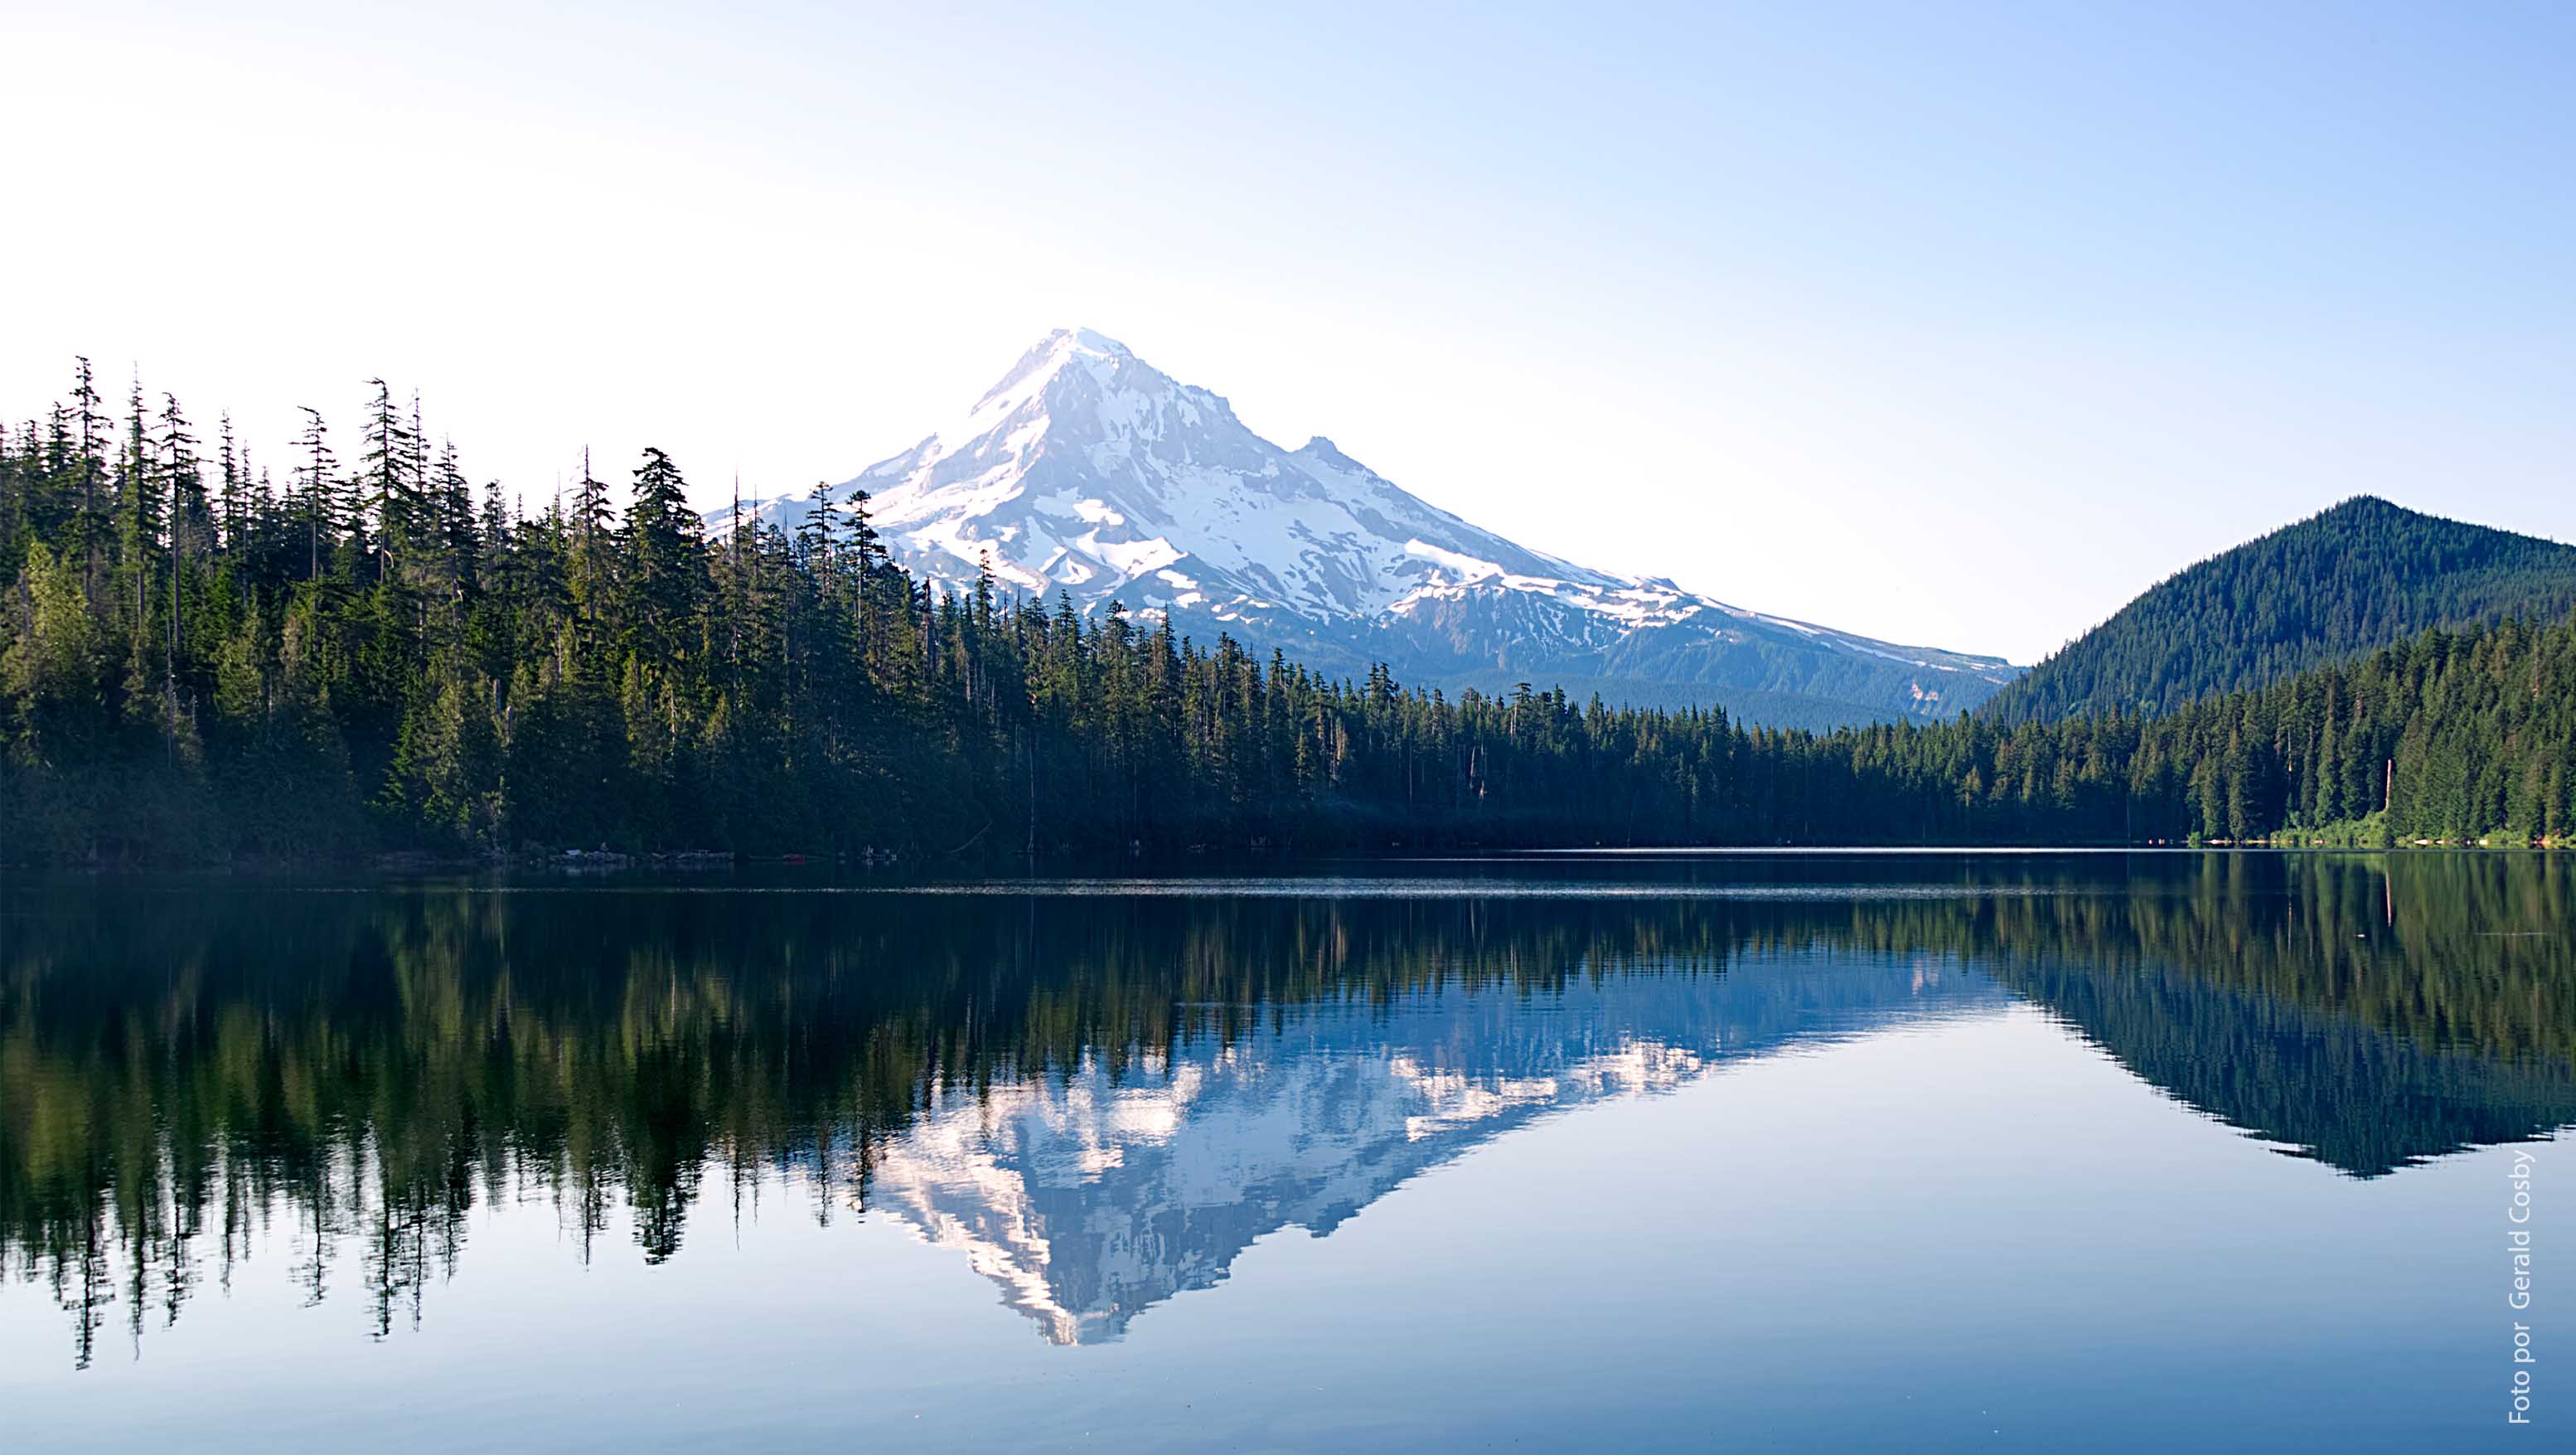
(201, 661)
(2365, 574)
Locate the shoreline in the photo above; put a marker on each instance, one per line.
(581, 862)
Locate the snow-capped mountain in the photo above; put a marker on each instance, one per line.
(1090, 473)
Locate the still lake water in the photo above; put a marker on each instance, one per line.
(1822, 1151)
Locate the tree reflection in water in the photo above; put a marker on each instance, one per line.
(1104, 1098)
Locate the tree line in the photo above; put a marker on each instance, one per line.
(203, 660)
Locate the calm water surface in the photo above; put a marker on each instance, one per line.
(1921, 1152)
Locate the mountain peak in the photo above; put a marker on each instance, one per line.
(1064, 344)
(1089, 341)
(1060, 351)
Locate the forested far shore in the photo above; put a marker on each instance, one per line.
(207, 661)
(2363, 575)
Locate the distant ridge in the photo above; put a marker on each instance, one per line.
(2360, 576)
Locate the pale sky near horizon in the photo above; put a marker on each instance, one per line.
(1954, 324)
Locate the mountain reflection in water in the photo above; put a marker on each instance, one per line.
(1102, 1099)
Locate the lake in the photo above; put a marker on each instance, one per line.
(1643, 1152)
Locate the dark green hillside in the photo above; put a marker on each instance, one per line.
(2363, 575)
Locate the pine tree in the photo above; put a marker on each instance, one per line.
(88, 466)
(315, 490)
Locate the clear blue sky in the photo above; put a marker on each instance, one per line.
(1954, 324)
